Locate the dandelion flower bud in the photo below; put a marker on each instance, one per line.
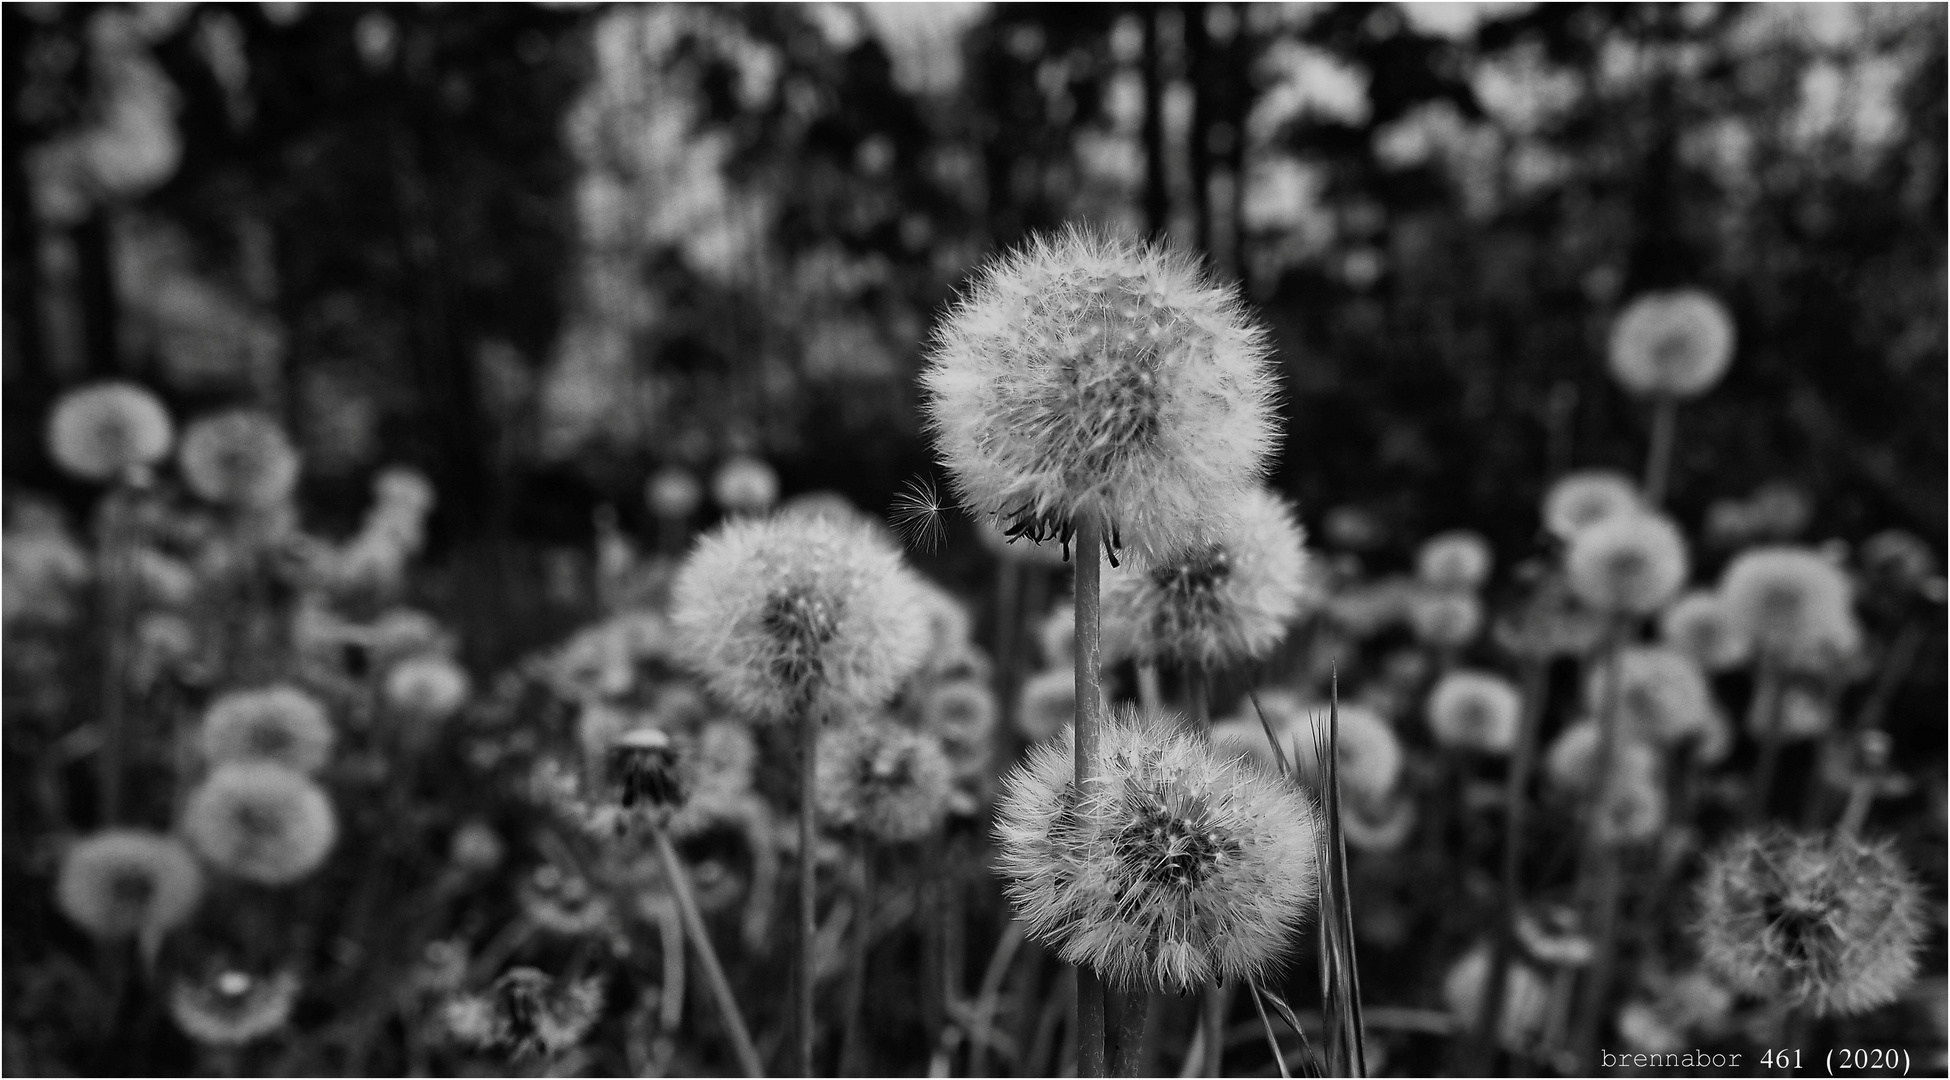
(428, 688)
(1795, 605)
(1585, 498)
(120, 882)
(1048, 703)
(1454, 560)
(1445, 618)
(1475, 710)
(241, 458)
(673, 493)
(1660, 695)
(261, 822)
(1702, 626)
(785, 614)
(1216, 604)
(745, 485)
(1085, 374)
(1675, 344)
(1628, 563)
(232, 1008)
(890, 783)
(527, 1013)
(280, 724)
(102, 430)
(1526, 998)
(1179, 867)
(1571, 763)
(1825, 922)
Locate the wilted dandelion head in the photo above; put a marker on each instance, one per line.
(673, 493)
(1526, 998)
(281, 724)
(1826, 922)
(1178, 867)
(1454, 560)
(1702, 626)
(1793, 604)
(788, 613)
(1445, 618)
(563, 902)
(1660, 695)
(429, 687)
(261, 821)
(1048, 703)
(240, 458)
(745, 485)
(1571, 763)
(1087, 374)
(527, 1013)
(102, 430)
(1676, 343)
(1475, 710)
(1628, 563)
(961, 716)
(1214, 604)
(1585, 498)
(890, 783)
(231, 1008)
(641, 767)
(120, 882)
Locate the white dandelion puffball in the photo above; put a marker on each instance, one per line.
(104, 429)
(887, 781)
(1444, 618)
(1475, 710)
(1702, 625)
(1047, 703)
(1660, 694)
(233, 1008)
(1526, 998)
(1586, 498)
(673, 493)
(745, 485)
(789, 613)
(1628, 563)
(1794, 605)
(1217, 604)
(1369, 756)
(428, 687)
(1454, 560)
(1178, 867)
(276, 723)
(1571, 763)
(121, 882)
(1056, 636)
(1087, 374)
(240, 458)
(1675, 344)
(1633, 810)
(261, 822)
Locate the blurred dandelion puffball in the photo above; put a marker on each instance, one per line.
(673, 493)
(1475, 710)
(1571, 763)
(1660, 695)
(785, 614)
(427, 688)
(890, 783)
(240, 458)
(961, 713)
(102, 430)
(745, 485)
(1178, 866)
(1793, 712)
(1824, 922)
(1454, 560)
(1444, 618)
(1048, 703)
(1585, 498)
(1085, 374)
(527, 1013)
(1056, 636)
(1526, 998)
(1369, 756)
(281, 724)
(1628, 563)
(120, 882)
(261, 822)
(232, 1008)
(1674, 344)
(1794, 605)
(1702, 626)
(1632, 809)
(1216, 604)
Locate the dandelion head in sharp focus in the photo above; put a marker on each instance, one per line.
(101, 431)
(785, 614)
(1701, 625)
(1089, 374)
(1676, 343)
(121, 882)
(917, 515)
(1475, 710)
(1825, 922)
(1179, 867)
(527, 1013)
(1454, 560)
(1585, 498)
(241, 458)
(1660, 694)
(282, 724)
(231, 1008)
(1628, 563)
(261, 822)
(1795, 606)
(890, 783)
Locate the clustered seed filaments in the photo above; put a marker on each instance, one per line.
(801, 624)
(1191, 584)
(1161, 845)
(643, 767)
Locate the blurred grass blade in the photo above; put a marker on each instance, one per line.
(1272, 1040)
(1286, 1014)
(1340, 981)
(1279, 753)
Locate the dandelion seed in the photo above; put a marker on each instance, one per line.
(121, 882)
(1585, 498)
(1631, 563)
(1661, 695)
(241, 458)
(1458, 560)
(1475, 710)
(889, 783)
(1702, 626)
(232, 1008)
(1794, 605)
(281, 724)
(261, 822)
(1676, 343)
(917, 515)
(101, 431)
(1526, 998)
(745, 485)
(1825, 922)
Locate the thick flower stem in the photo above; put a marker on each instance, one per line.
(749, 1062)
(1092, 1059)
(1127, 1009)
(1602, 892)
(1658, 460)
(1516, 800)
(808, 864)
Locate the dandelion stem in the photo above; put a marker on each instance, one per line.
(808, 865)
(1768, 700)
(1128, 1009)
(1658, 460)
(856, 983)
(680, 888)
(985, 998)
(1603, 892)
(1092, 1052)
(1516, 801)
(115, 603)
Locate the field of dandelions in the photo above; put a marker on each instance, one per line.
(789, 806)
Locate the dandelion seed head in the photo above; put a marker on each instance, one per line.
(120, 882)
(1585, 498)
(1631, 563)
(1675, 343)
(1048, 703)
(261, 821)
(673, 493)
(527, 1013)
(1794, 605)
(1445, 618)
(1825, 922)
(1800, 712)
(1378, 825)
(282, 724)
(100, 431)
(240, 458)
(1369, 755)
(1661, 695)
(788, 613)
(399, 489)
(1571, 763)
(1702, 626)
(1454, 560)
(231, 1008)
(745, 485)
(1526, 998)
(1475, 710)
(563, 903)
(961, 715)
(1899, 558)
(890, 783)
(428, 688)
(1083, 374)
(476, 848)
(1633, 809)
(1056, 636)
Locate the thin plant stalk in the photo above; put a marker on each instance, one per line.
(986, 996)
(1516, 802)
(1272, 1042)
(1658, 459)
(1092, 1051)
(1150, 696)
(808, 881)
(1603, 890)
(1212, 1002)
(1340, 976)
(115, 617)
(1769, 695)
(856, 983)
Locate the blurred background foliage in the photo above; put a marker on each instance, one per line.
(540, 251)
